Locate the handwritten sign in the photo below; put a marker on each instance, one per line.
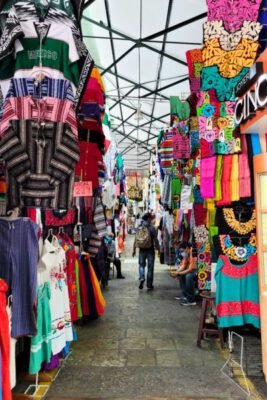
(83, 189)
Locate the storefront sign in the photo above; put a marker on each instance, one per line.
(83, 189)
(252, 101)
(251, 107)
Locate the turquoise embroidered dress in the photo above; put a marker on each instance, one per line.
(237, 293)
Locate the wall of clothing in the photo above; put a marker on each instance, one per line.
(205, 166)
(55, 131)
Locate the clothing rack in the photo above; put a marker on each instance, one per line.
(232, 364)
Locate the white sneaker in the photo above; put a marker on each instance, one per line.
(180, 298)
(188, 303)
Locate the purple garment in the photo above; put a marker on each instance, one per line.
(54, 363)
(18, 267)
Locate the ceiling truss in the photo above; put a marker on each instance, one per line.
(122, 99)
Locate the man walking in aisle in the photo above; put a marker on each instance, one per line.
(145, 240)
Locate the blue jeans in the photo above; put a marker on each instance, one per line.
(149, 256)
(188, 283)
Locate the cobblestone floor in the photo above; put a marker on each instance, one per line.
(143, 348)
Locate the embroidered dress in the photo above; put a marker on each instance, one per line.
(237, 293)
(41, 349)
(68, 247)
(53, 261)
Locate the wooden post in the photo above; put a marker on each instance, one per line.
(260, 183)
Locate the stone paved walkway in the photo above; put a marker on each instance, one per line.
(143, 348)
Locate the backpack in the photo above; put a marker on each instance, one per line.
(143, 238)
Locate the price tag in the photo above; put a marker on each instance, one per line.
(83, 189)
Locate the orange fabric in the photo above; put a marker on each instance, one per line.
(96, 74)
(99, 298)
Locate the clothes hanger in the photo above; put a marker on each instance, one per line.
(50, 235)
(61, 231)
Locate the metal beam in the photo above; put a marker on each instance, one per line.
(136, 141)
(155, 119)
(160, 61)
(123, 121)
(118, 59)
(123, 97)
(87, 4)
(113, 55)
(130, 124)
(144, 113)
(137, 42)
(165, 87)
(175, 27)
(153, 41)
(131, 81)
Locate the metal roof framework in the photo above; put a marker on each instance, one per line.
(139, 47)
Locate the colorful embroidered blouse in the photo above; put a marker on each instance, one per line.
(237, 293)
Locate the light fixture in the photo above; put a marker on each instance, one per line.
(138, 115)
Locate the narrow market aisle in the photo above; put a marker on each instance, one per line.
(143, 348)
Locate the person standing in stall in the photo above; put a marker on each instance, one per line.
(146, 241)
(111, 255)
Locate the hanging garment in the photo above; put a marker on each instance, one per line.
(87, 166)
(93, 92)
(218, 177)
(47, 179)
(18, 266)
(79, 299)
(166, 151)
(237, 293)
(41, 349)
(53, 219)
(207, 177)
(226, 173)
(12, 364)
(204, 266)
(166, 197)
(42, 8)
(4, 344)
(225, 87)
(47, 109)
(244, 171)
(109, 194)
(232, 13)
(52, 265)
(83, 288)
(68, 246)
(99, 218)
(230, 40)
(181, 145)
(47, 87)
(234, 179)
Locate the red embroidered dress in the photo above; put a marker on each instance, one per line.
(237, 293)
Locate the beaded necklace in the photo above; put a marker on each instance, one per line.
(238, 253)
(240, 227)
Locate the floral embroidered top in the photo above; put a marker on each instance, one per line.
(237, 293)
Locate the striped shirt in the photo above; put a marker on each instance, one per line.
(48, 109)
(58, 88)
(40, 163)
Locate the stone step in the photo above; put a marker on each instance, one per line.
(135, 398)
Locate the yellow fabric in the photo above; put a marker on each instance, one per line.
(211, 213)
(96, 74)
(234, 182)
(230, 63)
(218, 178)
